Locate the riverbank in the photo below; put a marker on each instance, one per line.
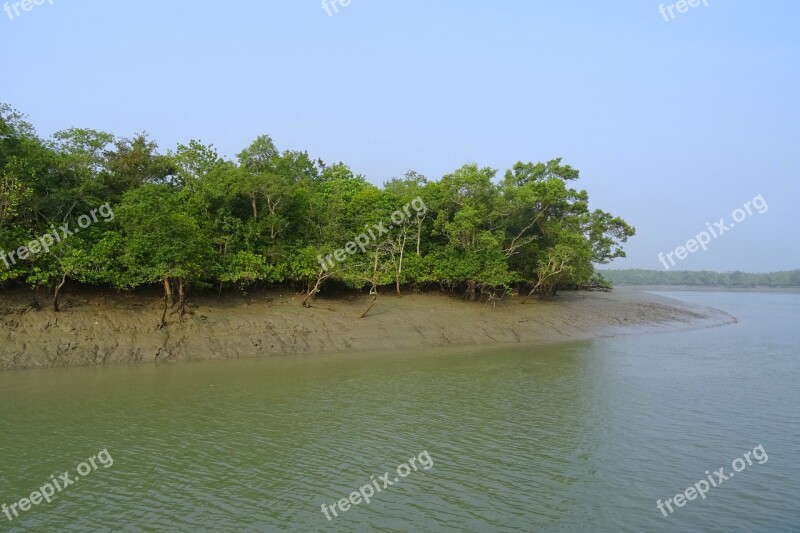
(122, 328)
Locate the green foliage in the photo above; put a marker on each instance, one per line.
(162, 240)
(191, 217)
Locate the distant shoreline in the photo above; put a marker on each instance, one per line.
(707, 279)
(708, 288)
(122, 328)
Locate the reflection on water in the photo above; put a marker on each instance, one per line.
(571, 436)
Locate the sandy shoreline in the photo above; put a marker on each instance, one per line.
(113, 329)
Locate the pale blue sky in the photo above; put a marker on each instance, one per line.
(672, 124)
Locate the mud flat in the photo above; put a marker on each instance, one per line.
(122, 328)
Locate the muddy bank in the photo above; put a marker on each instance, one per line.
(112, 328)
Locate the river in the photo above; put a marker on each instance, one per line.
(584, 436)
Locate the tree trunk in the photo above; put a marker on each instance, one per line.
(167, 296)
(528, 296)
(372, 303)
(181, 299)
(400, 264)
(321, 277)
(470, 294)
(168, 292)
(36, 302)
(374, 292)
(535, 287)
(57, 290)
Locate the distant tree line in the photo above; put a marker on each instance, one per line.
(790, 278)
(189, 218)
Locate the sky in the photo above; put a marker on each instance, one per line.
(673, 121)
